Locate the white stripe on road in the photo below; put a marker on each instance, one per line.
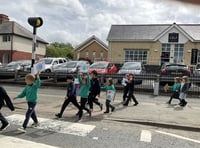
(145, 136)
(64, 127)
(177, 136)
(12, 142)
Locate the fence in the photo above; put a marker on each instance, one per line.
(148, 85)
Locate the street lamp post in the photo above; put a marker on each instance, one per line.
(35, 22)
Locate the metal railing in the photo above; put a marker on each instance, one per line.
(147, 80)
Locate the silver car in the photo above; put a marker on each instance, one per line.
(197, 70)
(70, 67)
(132, 67)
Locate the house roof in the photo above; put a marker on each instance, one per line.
(89, 41)
(151, 32)
(11, 27)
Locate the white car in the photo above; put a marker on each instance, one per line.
(132, 67)
(51, 63)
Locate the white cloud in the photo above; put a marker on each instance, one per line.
(76, 20)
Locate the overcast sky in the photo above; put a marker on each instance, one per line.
(74, 21)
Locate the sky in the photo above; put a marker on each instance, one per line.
(74, 21)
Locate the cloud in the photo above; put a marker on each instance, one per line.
(74, 21)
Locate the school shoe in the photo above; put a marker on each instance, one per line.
(79, 120)
(135, 104)
(112, 110)
(35, 125)
(22, 129)
(106, 112)
(58, 115)
(4, 127)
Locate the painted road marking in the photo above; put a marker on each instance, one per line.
(64, 127)
(145, 136)
(177, 136)
(12, 142)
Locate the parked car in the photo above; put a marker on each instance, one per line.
(51, 63)
(135, 68)
(103, 67)
(196, 71)
(71, 66)
(171, 70)
(21, 65)
(132, 67)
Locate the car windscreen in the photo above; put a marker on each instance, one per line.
(99, 65)
(131, 66)
(176, 67)
(46, 61)
(69, 65)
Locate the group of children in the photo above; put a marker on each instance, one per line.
(179, 90)
(89, 90)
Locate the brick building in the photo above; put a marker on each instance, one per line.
(16, 42)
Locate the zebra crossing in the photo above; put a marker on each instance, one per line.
(64, 127)
(58, 126)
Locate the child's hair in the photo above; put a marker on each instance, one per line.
(178, 79)
(110, 81)
(70, 77)
(185, 78)
(94, 72)
(30, 77)
(131, 75)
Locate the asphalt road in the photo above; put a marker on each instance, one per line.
(91, 133)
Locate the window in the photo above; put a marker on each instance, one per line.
(6, 38)
(101, 56)
(86, 54)
(94, 55)
(136, 55)
(178, 53)
(165, 55)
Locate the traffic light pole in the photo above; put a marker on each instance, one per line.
(35, 22)
(33, 50)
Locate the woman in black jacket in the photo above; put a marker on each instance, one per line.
(4, 98)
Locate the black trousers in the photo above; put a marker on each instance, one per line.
(131, 95)
(174, 95)
(108, 106)
(3, 119)
(74, 102)
(30, 113)
(92, 99)
(125, 93)
(83, 107)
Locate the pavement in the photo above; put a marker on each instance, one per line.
(151, 110)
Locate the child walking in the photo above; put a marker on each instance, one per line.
(185, 85)
(4, 98)
(70, 97)
(124, 84)
(31, 93)
(84, 92)
(131, 85)
(175, 89)
(94, 91)
(110, 93)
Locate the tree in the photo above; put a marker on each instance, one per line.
(60, 50)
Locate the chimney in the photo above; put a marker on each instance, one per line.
(3, 18)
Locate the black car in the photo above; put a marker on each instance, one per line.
(171, 70)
